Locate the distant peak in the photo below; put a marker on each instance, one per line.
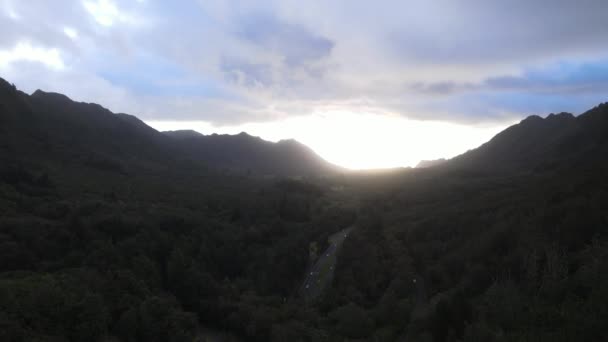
(184, 133)
(562, 116)
(532, 118)
(288, 141)
(292, 143)
(430, 163)
(246, 135)
(5, 84)
(50, 95)
(130, 118)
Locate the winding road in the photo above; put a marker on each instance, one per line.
(320, 275)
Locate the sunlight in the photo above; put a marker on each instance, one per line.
(361, 140)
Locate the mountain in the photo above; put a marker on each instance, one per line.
(51, 125)
(246, 152)
(110, 230)
(430, 163)
(544, 143)
(507, 242)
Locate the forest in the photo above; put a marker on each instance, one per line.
(108, 234)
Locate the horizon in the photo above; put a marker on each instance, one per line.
(285, 170)
(364, 85)
(382, 151)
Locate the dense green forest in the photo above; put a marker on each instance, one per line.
(111, 231)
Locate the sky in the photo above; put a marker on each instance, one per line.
(364, 83)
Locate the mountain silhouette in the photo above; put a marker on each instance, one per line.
(430, 163)
(51, 125)
(541, 143)
(245, 152)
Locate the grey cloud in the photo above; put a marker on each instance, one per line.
(556, 86)
(247, 74)
(294, 43)
(41, 22)
(492, 32)
(440, 88)
(275, 58)
(581, 78)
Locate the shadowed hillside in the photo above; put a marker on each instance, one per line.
(46, 124)
(245, 152)
(543, 143)
(110, 230)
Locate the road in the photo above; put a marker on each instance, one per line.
(320, 275)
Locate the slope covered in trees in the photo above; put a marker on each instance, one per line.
(504, 243)
(49, 124)
(245, 152)
(110, 230)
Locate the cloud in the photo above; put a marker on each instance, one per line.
(482, 32)
(24, 51)
(246, 74)
(562, 78)
(70, 32)
(104, 12)
(230, 62)
(293, 43)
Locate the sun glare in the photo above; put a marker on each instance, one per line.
(361, 140)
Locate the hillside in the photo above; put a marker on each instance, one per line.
(430, 163)
(50, 124)
(541, 143)
(507, 242)
(110, 230)
(245, 152)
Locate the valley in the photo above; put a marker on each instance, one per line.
(111, 230)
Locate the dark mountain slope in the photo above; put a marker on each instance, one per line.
(91, 127)
(50, 125)
(91, 252)
(246, 152)
(512, 249)
(540, 143)
(430, 163)
(111, 230)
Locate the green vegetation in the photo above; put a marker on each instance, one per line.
(114, 235)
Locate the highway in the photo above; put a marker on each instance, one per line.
(320, 274)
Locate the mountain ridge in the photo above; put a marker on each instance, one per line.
(74, 128)
(538, 142)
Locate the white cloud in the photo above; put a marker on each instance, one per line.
(105, 12)
(24, 51)
(279, 58)
(9, 10)
(70, 32)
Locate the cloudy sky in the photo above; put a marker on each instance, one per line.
(365, 83)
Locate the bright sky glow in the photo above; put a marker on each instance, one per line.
(361, 141)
